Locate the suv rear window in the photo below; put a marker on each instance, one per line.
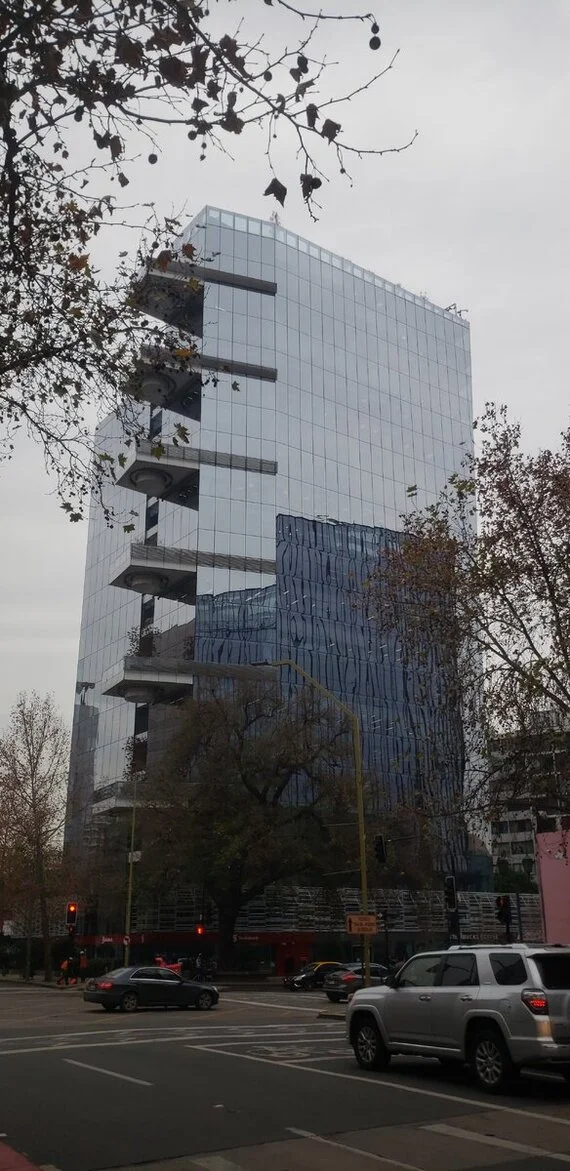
(554, 970)
(508, 968)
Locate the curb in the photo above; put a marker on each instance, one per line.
(11, 1160)
(40, 987)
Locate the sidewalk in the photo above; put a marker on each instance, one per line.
(226, 982)
(37, 982)
(10, 1160)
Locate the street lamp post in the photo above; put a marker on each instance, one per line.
(357, 756)
(129, 904)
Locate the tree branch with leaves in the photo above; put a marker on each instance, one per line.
(85, 87)
(245, 797)
(478, 589)
(33, 773)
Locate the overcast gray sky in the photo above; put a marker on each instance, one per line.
(475, 212)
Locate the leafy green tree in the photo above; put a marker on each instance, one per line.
(507, 880)
(245, 797)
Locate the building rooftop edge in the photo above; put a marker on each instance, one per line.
(327, 256)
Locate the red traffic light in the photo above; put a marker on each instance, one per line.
(71, 914)
(200, 929)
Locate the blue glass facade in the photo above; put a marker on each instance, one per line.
(317, 615)
(324, 393)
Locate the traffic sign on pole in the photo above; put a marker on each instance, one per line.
(361, 925)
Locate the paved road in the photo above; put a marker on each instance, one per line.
(261, 1083)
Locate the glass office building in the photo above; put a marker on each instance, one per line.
(320, 393)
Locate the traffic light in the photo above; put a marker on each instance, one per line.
(380, 850)
(200, 927)
(71, 914)
(504, 912)
(449, 892)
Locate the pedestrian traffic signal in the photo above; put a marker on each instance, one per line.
(380, 849)
(450, 892)
(504, 912)
(200, 928)
(71, 915)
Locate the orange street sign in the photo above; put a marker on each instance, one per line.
(361, 925)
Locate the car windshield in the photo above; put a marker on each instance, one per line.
(554, 970)
(116, 972)
(308, 968)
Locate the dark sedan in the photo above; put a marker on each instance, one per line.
(341, 984)
(136, 987)
(312, 976)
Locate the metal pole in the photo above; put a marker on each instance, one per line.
(357, 752)
(519, 916)
(358, 781)
(128, 909)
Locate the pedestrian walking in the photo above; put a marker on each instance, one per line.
(199, 968)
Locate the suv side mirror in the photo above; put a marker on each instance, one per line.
(391, 980)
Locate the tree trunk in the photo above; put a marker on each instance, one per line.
(28, 952)
(44, 916)
(46, 939)
(227, 925)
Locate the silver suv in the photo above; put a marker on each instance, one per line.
(496, 1007)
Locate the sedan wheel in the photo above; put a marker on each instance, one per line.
(205, 1000)
(334, 998)
(129, 1002)
(369, 1048)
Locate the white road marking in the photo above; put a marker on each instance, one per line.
(215, 1163)
(137, 1081)
(187, 1030)
(223, 1039)
(267, 1004)
(474, 1103)
(327, 1057)
(256, 1042)
(317, 1138)
(490, 1140)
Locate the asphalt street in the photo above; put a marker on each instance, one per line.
(259, 1083)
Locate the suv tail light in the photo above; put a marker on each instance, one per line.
(536, 1001)
(105, 985)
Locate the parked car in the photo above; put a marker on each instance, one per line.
(152, 987)
(498, 1008)
(340, 984)
(312, 976)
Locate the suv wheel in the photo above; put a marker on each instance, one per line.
(369, 1048)
(491, 1062)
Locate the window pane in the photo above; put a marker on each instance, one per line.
(508, 969)
(420, 972)
(459, 969)
(554, 970)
